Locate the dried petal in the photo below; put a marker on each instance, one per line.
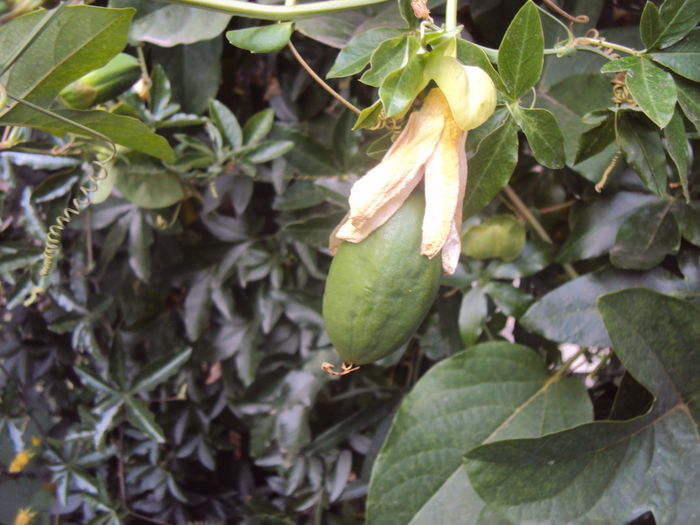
(431, 146)
(377, 195)
(444, 190)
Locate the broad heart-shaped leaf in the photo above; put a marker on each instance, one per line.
(543, 135)
(490, 391)
(611, 472)
(78, 40)
(644, 151)
(356, 55)
(521, 53)
(594, 227)
(568, 314)
(683, 58)
(652, 87)
(646, 237)
(676, 19)
(125, 131)
(159, 370)
(649, 24)
(689, 100)
(261, 39)
(168, 25)
(491, 167)
(678, 148)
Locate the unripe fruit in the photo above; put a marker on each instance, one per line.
(379, 290)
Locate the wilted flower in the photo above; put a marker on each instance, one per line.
(431, 148)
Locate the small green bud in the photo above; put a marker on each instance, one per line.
(103, 84)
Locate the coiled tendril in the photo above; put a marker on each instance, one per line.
(77, 204)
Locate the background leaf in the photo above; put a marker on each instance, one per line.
(472, 315)
(521, 53)
(678, 149)
(645, 237)
(536, 479)
(261, 39)
(53, 60)
(644, 152)
(489, 392)
(168, 25)
(594, 227)
(682, 58)
(194, 71)
(568, 313)
(354, 57)
(649, 24)
(491, 167)
(676, 19)
(543, 135)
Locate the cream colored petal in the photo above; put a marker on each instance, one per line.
(377, 211)
(377, 195)
(451, 250)
(443, 189)
(333, 240)
(453, 246)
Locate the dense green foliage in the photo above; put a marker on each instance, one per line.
(168, 367)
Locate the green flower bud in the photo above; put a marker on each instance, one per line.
(103, 84)
(469, 90)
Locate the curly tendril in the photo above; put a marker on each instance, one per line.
(77, 205)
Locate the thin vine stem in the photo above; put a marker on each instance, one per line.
(322, 82)
(567, 365)
(570, 35)
(539, 229)
(276, 12)
(580, 19)
(583, 41)
(592, 45)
